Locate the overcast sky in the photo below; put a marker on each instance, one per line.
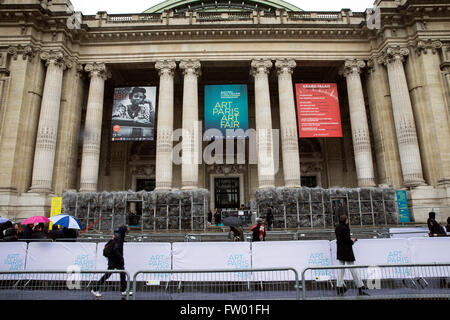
(136, 6)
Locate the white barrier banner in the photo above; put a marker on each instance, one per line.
(430, 250)
(61, 256)
(140, 256)
(212, 255)
(12, 258)
(408, 232)
(296, 254)
(375, 252)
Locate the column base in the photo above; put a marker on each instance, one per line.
(366, 183)
(39, 190)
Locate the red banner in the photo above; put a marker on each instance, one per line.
(318, 110)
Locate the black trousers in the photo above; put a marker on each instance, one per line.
(123, 282)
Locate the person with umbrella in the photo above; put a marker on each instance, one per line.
(236, 232)
(69, 224)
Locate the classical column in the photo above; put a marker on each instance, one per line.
(383, 127)
(44, 155)
(263, 120)
(437, 128)
(93, 127)
(16, 110)
(164, 139)
(359, 124)
(65, 173)
(288, 123)
(189, 168)
(405, 126)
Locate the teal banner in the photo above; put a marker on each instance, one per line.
(402, 203)
(226, 108)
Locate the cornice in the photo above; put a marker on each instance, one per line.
(226, 33)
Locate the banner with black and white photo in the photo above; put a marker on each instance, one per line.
(133, 114)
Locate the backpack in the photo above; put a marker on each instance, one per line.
(108, 249)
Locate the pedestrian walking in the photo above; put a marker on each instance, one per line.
(269, 218)
(115, 261)
(258, 230)
(346, 256)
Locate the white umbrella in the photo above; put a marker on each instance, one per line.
(64, 220)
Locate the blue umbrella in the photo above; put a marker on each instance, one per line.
(67, 221)
(3, 220)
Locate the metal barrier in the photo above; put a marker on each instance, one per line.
(71, 284)
(402, 281)
(238, 284)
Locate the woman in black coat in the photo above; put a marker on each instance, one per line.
(346, 256)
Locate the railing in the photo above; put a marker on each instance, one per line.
(238, 284)
(402, 281)
(382, 282)
(71, 284)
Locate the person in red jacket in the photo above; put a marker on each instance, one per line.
(258, 230)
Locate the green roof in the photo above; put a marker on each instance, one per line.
(221, 5)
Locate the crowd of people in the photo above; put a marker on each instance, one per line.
(10, 231)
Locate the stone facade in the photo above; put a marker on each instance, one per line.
(58, 71)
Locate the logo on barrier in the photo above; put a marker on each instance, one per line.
(238, 261)
(74, 280)
(159, 262)
(318, 259)
(84, 262)
(374, 278)
(15, 262)
(397, 257)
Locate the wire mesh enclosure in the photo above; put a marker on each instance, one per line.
(217, 285)
(71, 284)
(424, 281)
(158, 210)
(321, 208)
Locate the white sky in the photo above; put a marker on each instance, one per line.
(89, 7)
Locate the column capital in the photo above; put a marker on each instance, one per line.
(445, 67)
(285, 65)
(352, 66)
(27, 52)
(191, 67)
(424, 46)
(56, 57)
(261, 65)
(166, 67)
(97, 69)
(393, 53)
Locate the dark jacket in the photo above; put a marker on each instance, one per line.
(435, 228)
(344, 243)
(4, 226)
(269, 216)
(10, 234)
(117, 260)
(236, 232)
(27, 232)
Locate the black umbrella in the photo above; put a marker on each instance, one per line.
(232, 221)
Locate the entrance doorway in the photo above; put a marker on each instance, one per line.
(309, 181)
(135, 207)
(226, 193)
(145, 184)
